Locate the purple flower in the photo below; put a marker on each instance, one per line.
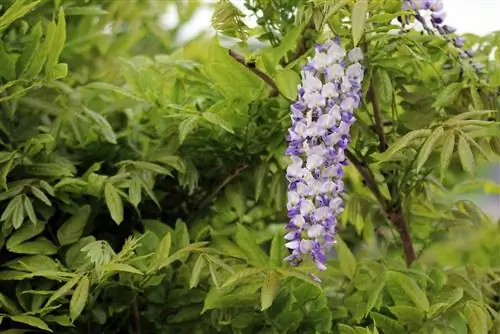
(329, 94)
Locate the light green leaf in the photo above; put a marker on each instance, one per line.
(217, 120)
(448, 95)
(408, 314)
(410, 288)
(358, 19)
(48, 169)
(388, 325)
(246, 241)
(102, 125)
(447, 152)
(477, 318)
(52, 71)
(87, 10)
(41, 246)
(344, 329)
(79, 298)
(186, 127)
(269, 290)
(72, 230)
(9, 305)
(374, 292)
(240, 275)
(287, 82)
(346, 258)
(30, 211)
(135, 192)
(120, 267)
(114, 203)
(404, 142)
(428, 147)
(278, 250)
(196, 273)
(17, 10)
(31, 321)
(383, 86)
(466, 156)
(26, 232)
(163, 251)
(40, 195)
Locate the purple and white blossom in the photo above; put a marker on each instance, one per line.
(437, 18)
(329, 93)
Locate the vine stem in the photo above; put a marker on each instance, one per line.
(393, 210)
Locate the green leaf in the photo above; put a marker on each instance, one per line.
(447, 152)
(287, 82)
(448, 95)
(408, 314)
(403, 142)
(346, 258)
(213, 274)
(217, 120)
(411, 289)
(114, 203)
(79, 298)
(30, 211)
(48, 169)
(120, 267)
(344, 329)
(388, 325)
(186, 127)
(358, 19)
(87, 10)
(465, 154)
(269, 290)
(26, 232)
(383, 86)
(278, 250)
(103, 126)
(246, 241)
(477, 318)
(163, 251)
(135, 192)
(63, 290)
(41, 246)
(9, 305)
(196, 273)
(17, 10)
(31, 321)
(72, 230)
(428, 147)
(375, 292)
(241, 275)
(40, 195)
(52, 71)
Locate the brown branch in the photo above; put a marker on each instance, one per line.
(251, 66)
(394, 210)
(368, 177)
(136, 316)
(216, 191)
(379, 124)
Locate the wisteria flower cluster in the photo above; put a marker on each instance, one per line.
(436, 7)
(329, 93)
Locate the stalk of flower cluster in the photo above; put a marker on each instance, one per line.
(329, 93)
(436, 7)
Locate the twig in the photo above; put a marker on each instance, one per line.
(251, 66)
(218, 189)
(136, 316)
(379, 124)
(394, 210)
(368, 177)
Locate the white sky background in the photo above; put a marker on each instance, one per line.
(468, 16)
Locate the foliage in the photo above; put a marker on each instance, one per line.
(142, 182)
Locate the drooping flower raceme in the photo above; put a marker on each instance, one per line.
(437, 14)
(329, 93)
